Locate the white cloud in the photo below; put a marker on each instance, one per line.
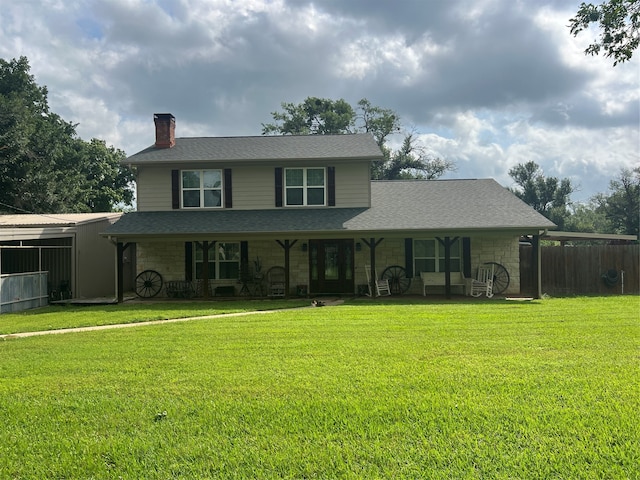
(489, 84)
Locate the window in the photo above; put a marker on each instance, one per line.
(201, 188)
(428, 256)
(304, 186)
(224, 261)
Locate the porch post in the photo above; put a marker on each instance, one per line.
(372, 243)
(447, 264)
(205, 269)
(447, 267)
(286, 245)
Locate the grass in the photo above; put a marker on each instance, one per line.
(70, 316)
(542, 389)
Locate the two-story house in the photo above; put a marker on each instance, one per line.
(213, 209)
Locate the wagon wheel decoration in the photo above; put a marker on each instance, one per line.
(148, 284)
(500, 278)
(398, 281)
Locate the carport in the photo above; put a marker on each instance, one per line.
(78, 262)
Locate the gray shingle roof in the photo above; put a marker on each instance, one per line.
(285, 147)
(397, 206)
(448, 204)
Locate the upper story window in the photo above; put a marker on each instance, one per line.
(428, 256)
(201, 188)
(305, 186)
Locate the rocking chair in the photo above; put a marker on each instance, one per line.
(483, 283)
(382, 285)
(276, 282)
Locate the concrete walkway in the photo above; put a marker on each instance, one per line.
(153, 322)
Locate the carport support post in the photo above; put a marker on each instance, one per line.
(120, 248)
(537, 269)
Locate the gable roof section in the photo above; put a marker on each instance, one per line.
(397, 207)
(267, 148)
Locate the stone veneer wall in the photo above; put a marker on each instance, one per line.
(167, 258)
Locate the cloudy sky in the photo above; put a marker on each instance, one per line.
(487, 84)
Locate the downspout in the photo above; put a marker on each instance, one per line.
(75, 267)
(120, 247)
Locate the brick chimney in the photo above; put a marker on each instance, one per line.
(165, 130)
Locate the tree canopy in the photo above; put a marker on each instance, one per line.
(621, 207)
(44, 166)
(324, 116)
(547, 195)
(619, 25)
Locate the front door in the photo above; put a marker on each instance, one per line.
(331, 266)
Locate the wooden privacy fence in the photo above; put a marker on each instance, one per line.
(579, 270)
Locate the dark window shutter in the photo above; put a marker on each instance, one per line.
(228, 196)
(244, 252)
(279, 189)
(175, 189)
(331, 186)
(466, 257)
(188, 261)
(408, 257)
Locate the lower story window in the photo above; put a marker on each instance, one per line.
(428, 256)
(224, 261)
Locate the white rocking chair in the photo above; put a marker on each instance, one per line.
(382, 286)
(483, 283)
(276, 282)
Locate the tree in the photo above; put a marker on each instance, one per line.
(547, 195)
(324, 116)
(313, 116)
(622, 206)
(380, 122)
(619, 24)
(44, 166)
(410, 161)
(588, 218)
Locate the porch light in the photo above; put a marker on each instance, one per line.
(304, 247)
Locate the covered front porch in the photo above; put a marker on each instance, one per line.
(314, 265)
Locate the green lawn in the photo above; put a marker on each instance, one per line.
(69, 316)
(384, 389)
